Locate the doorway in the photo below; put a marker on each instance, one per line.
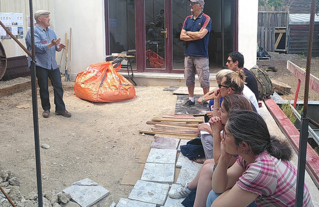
(154, 33)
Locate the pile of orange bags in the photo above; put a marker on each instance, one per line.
(101, 82)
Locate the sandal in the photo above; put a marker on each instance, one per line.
(200, 160)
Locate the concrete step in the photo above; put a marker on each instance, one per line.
(165, 79)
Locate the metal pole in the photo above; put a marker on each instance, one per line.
(35, 110)
(305, 121)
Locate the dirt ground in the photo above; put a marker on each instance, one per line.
(100, 140)
(285, 76)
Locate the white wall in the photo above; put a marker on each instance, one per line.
(86, 18)
(12, 49)
(247, 30)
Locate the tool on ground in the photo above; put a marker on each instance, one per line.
(67, 77)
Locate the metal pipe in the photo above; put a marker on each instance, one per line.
(35, 110)
(305, 121)
(4, 193)
(316, 124)
(15, 39)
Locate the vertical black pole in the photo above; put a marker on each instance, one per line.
(35, 110)
(305, 120)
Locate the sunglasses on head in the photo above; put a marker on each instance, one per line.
(192, 3)
(220, 85)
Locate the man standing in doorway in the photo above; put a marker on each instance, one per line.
(235, 62)
(46, 43)
(195, 33)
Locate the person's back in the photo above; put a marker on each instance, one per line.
(273, 180)
(251, 82)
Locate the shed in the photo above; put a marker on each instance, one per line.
(298, 30)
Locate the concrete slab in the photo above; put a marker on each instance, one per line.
(167, 156)
(124, 202)
(188, 172)
(164, 143)
(184, 161)
(149, 192)
(182, 142)
(86, 192)
(174, 202)
(163, 173)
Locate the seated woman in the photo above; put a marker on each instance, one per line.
(232, 83)
(262, 172)
(202, 181)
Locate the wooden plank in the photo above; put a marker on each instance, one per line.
(178, 116)
(301, 75)
(184, 124)
(197, 120)
(183, 136)
(280, 87)
(175, 131)
(175, 136)
(14, 89)
(175, 127)
(184, 91)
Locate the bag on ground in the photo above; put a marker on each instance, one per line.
(265, 87)
(100, 82)
(193, 149)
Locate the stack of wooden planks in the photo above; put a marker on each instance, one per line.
(175, 126)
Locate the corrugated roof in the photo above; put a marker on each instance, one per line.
(301, 19)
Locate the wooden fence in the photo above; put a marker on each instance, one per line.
(267, 22)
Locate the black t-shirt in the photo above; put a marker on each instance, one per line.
(251, 82)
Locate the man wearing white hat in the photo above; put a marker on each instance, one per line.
(195, 33)
(46, 43)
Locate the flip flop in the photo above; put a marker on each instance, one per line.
(200, 160)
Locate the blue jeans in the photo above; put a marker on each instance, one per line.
(54, 75)
(212, 196)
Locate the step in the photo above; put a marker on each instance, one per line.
(165, 79)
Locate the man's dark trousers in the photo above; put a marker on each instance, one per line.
(54, 75)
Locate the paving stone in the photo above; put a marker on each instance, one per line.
(165, 143)
(163, 173)
(86, 192)
(174, 202)
(188, 172)
(162, 156)
(182, 160)
(149, 192)
(124, 202)
(182, 142)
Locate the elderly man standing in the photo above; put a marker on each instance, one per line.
(46, 43)
(195, 32)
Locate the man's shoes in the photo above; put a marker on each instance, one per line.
(46, 113)
(189, 103)
(64, 113)
(180, 192)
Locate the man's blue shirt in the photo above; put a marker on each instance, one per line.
(198, 48)
(44, 57)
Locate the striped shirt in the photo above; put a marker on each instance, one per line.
(273, 180)
(44, 57)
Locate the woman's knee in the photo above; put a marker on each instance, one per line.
(211, 198)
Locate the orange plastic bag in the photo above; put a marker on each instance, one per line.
(154, 59)
(101, 83)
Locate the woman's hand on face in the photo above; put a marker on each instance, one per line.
(223, 154)
(217, 94)
(216, 124)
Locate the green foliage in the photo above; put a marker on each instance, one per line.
(289, 113)
(302, 55)
(271, 3)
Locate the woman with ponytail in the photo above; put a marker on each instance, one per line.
(262, 172)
